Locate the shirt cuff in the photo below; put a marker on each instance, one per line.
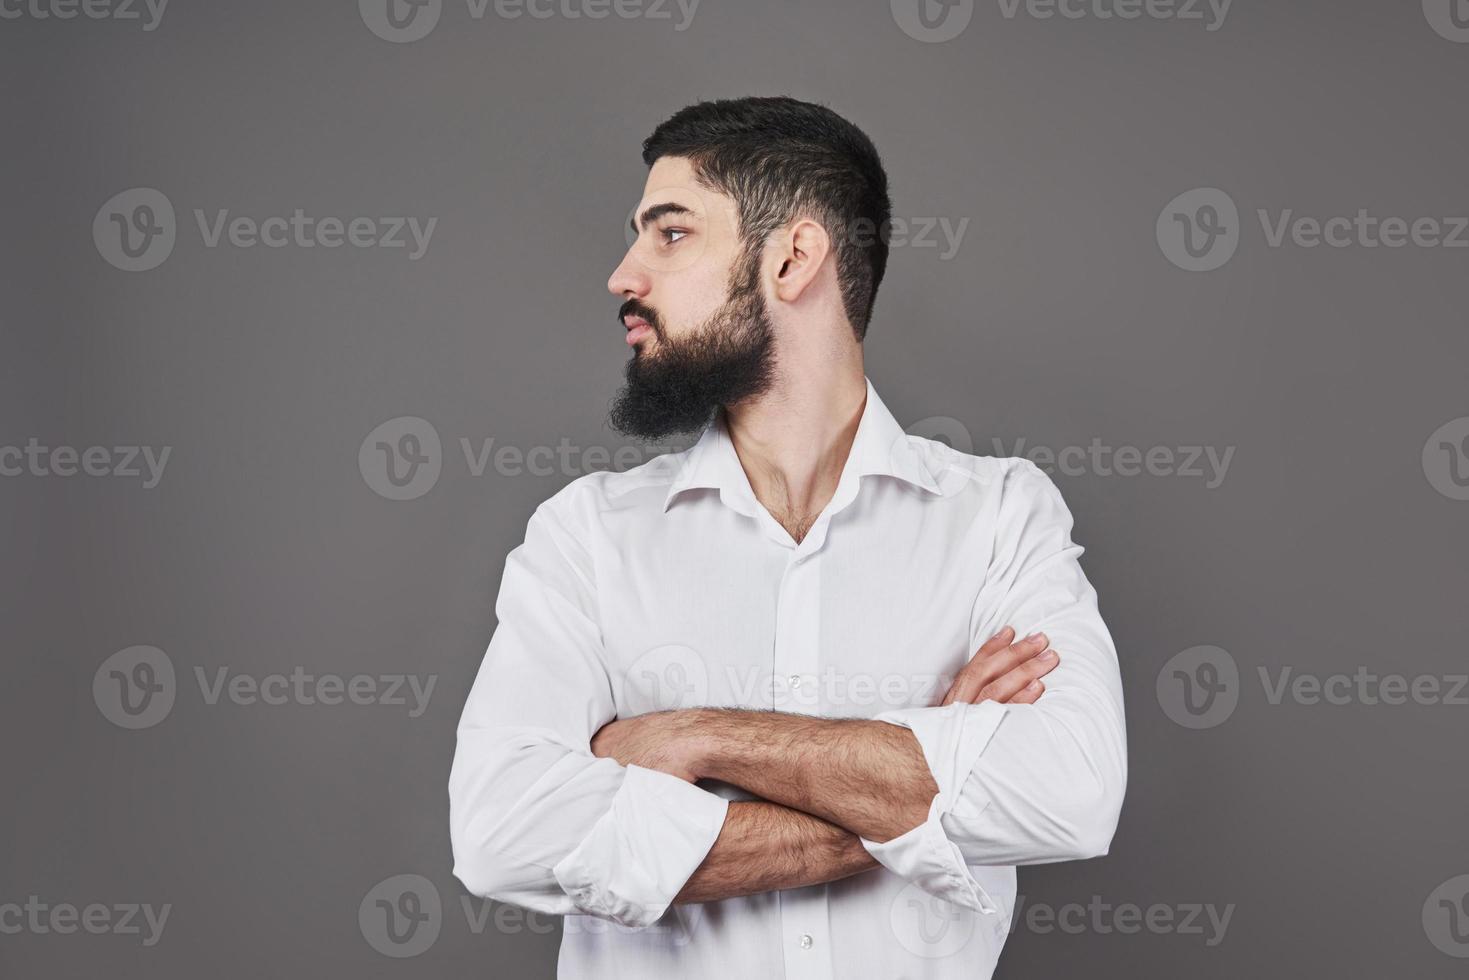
(952, 738)
(643, 849)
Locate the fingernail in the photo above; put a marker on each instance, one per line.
(1034, 637)
(1033, 685)
(1048, 656)
(1002, 632)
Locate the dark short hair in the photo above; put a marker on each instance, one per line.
(781, 159)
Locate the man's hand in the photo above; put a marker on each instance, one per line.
(1005, 671)
(664, 740)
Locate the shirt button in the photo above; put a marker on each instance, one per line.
(806, 941)
(795, 680)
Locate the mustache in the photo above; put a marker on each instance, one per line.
(634, 308)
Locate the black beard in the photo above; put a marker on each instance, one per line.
(678, 386)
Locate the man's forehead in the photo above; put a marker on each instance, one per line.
(671, 181)
(669, 172)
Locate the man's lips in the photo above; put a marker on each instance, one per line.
(637, 328)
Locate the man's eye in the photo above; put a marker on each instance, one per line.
(666, 232)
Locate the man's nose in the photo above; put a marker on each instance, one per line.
(628, 279)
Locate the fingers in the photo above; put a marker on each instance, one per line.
(1013, 656)
(995, 658)
(965, 687)
(996, 643)
(1006, 687)
(1029, 693)
(973, 674)
(997, 673)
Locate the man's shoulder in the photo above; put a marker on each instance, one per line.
(956, 470)
(601, 490)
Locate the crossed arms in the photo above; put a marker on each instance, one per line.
(559, 806)
(825, 784)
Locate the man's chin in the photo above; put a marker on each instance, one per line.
(645, 348)
(650, 416)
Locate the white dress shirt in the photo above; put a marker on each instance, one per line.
(670, 585)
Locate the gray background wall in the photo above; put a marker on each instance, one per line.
(1333, 544)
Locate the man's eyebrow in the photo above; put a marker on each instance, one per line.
(657, 211)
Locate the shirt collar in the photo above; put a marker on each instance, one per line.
(880, 447)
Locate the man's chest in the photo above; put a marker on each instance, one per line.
(715, 612)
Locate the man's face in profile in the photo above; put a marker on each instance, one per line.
(700, 331)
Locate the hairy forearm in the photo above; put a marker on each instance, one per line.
(868, 777)
(767, 847)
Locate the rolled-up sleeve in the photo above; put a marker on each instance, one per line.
(535, 819)
(1022, 784)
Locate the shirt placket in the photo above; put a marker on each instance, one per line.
(804, 917)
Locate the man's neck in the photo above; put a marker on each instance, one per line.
(794, 439)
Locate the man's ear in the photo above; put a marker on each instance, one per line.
(801, 250)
